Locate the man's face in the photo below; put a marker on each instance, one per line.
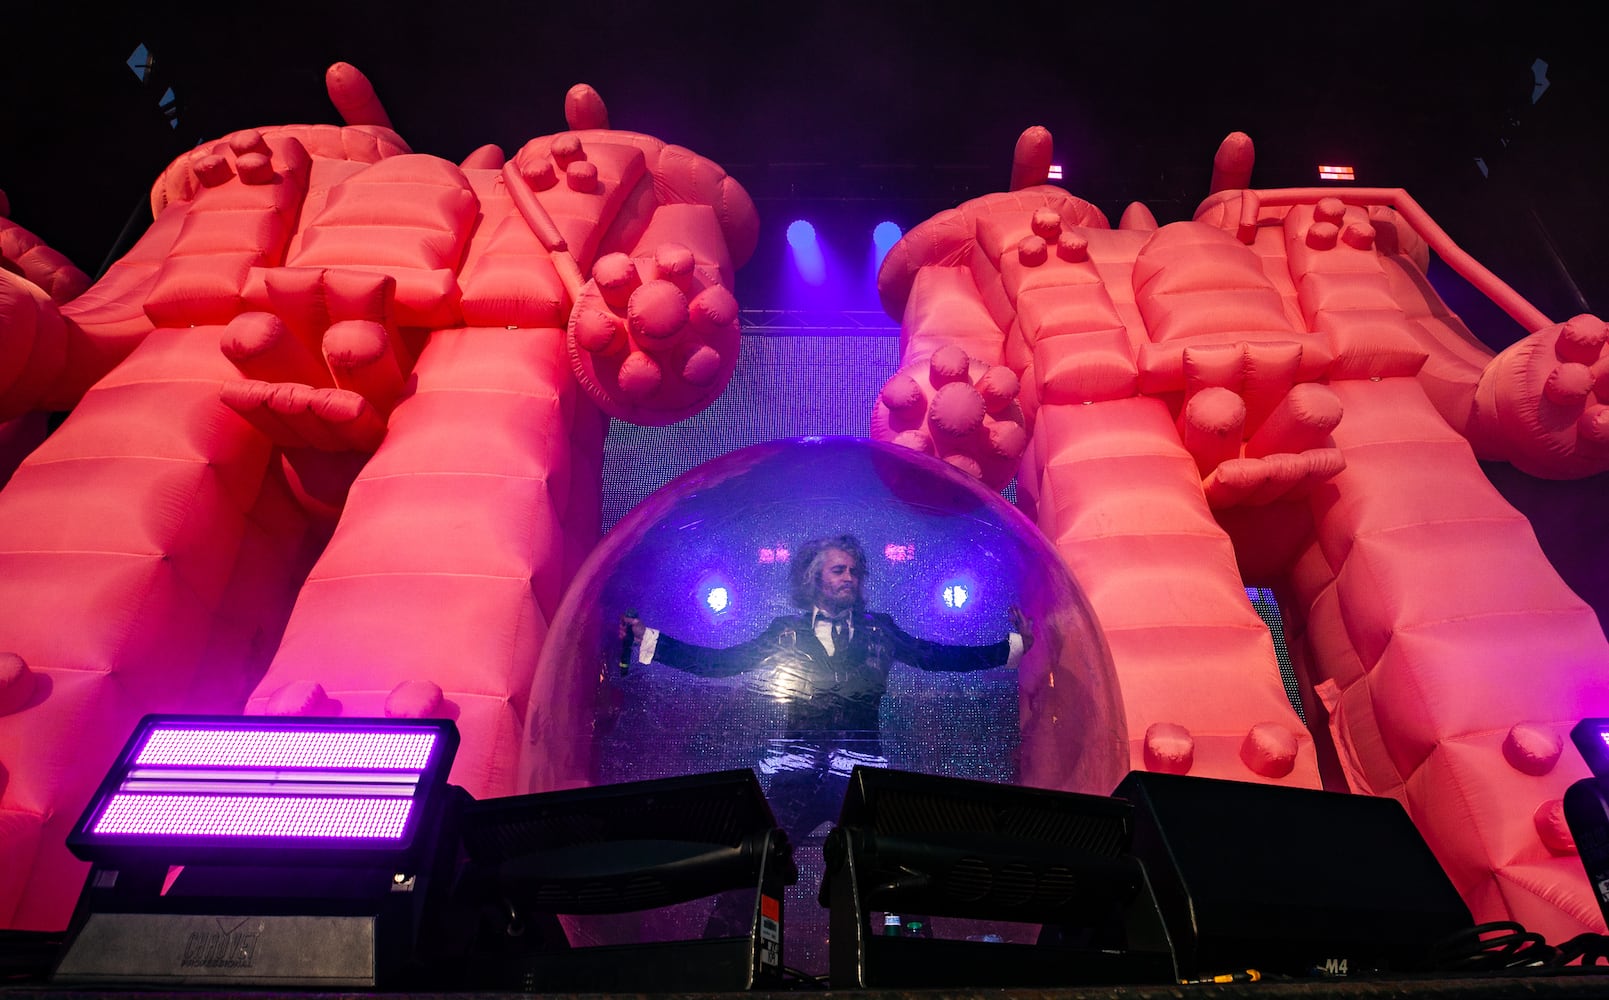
(839, 584)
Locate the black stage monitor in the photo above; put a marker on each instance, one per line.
(623, 848)
(951, 847)
(1292, 881)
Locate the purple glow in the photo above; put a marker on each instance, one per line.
(248, 746)
(883, 239)
(300, 816)
(801, 234)
(210, 790)
(807, 253)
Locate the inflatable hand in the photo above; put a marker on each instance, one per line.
(33, 344)
(1285, 455)
(34, 281)
(957, 408)
(26, 254)
(288, 392)
(653, 340)
(1541, 403)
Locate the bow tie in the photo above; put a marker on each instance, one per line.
(840, 627)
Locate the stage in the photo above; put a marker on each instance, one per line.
(1551, 984)
(480, 562)
(24, 959)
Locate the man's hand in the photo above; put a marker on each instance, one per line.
(631, 622)
(1023, 626)
(631, 631)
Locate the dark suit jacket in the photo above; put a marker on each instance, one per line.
(834, 693)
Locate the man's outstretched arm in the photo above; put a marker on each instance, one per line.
(926, 655)
(655, 646)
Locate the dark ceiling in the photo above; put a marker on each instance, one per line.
(860, 111)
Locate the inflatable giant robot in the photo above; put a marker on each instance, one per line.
(1271, 394)
(337, 423)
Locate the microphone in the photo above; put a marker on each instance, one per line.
(625, 644)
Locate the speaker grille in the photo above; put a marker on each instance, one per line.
(1057, 886)
(974, 880)
(970, 880)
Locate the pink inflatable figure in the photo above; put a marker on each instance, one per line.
(1182, 391)
(335, 440)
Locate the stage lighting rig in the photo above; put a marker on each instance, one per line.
(265, 851)
(1586, 807)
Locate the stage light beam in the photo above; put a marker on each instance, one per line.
(884, 236)
(807, 255)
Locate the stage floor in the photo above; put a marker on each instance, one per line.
(1569, 984)
(26, 958)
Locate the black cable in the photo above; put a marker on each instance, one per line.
(1505, 944)
(1591, 949)
(1501, 944)
(803, 978)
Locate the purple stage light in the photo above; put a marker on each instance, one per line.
(226, 746)
(1591, 739)
(807, 254)
(266, 790)
(210, 815)
(955, 596)
(717, 594)
(884, 236)
(801, 234)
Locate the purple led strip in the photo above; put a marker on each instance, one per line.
(201, 815)
(319, 782)
(218, 746)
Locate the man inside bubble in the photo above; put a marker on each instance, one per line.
(828, 666)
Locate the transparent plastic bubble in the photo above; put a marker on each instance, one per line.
(706, 560)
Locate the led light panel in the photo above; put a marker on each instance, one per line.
(233, 747)
(1591, 739)
(254, 816)
(191, 790)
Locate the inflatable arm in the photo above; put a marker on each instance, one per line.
(1539, 405)
(965, 390)
(35, 281)
(645, 237)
